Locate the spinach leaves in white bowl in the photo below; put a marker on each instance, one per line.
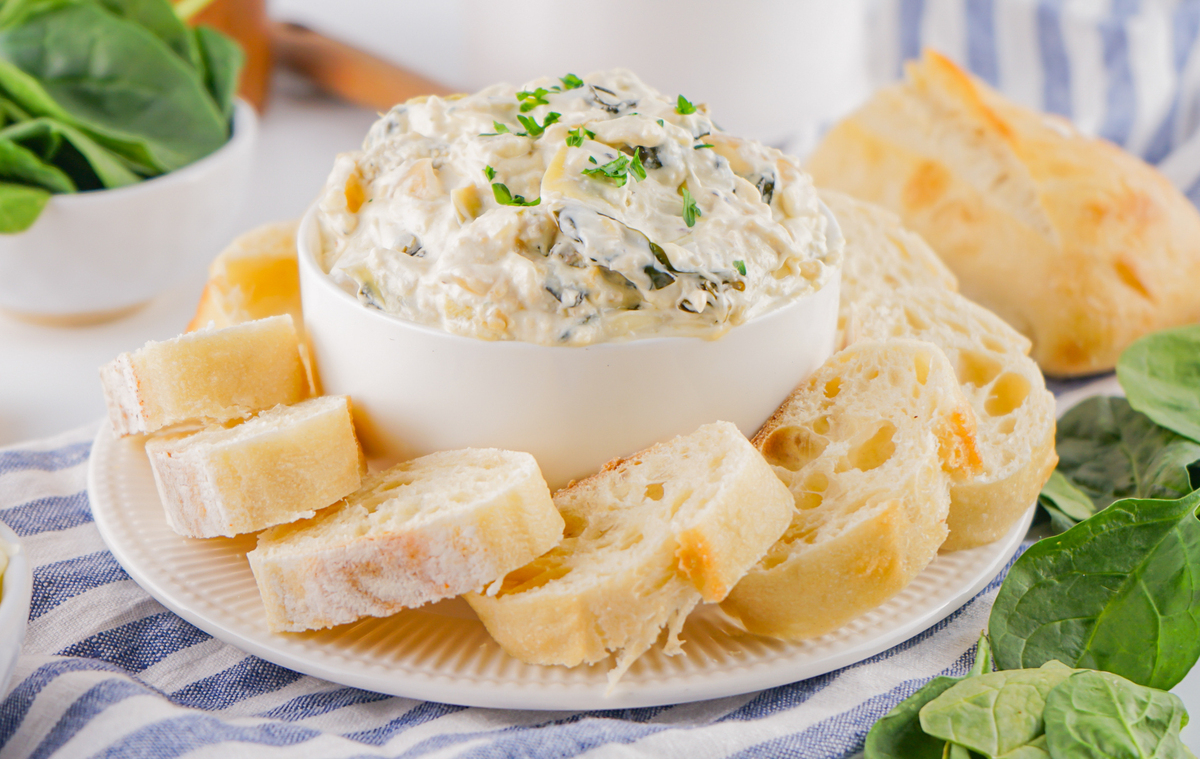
(1092, 626)
(100, 94)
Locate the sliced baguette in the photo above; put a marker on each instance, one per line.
(426, 529)
(280, 466)
(210, 375)
(1014, 411)
(255, 277)
(867, 447)
(647, 538)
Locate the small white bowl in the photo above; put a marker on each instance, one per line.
(95, 255)
(17, 591)
(417, 389)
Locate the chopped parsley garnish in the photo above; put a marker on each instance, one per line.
(636, 167)
(532, 128)
(740, 266)
(617, 170)
(489, 172)
(530, 100)
(660, 123)
(576, 136)
(505, 197)
(690, 209)
(500, 129)
(705, 145)
(569, 82)
(684, 106)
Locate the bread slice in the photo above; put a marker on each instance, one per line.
(647, 538)
(868, 447)
(1078, 245)
(1014, 411)
(255, 277)
(426, 529)
(280, 466)
(880, 255)
(209, 375)
(886, 253)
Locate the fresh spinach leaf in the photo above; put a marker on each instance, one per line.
(1110, 451)
(113, 79)
(996, 713)
(1160, 374)
(898, 734)
(21, 165)
(108, 170)
(1065, 504)
(222, 61)
(1119, 592)
(158, 16)
(20, 206)
(10, 112)
(1097, 715)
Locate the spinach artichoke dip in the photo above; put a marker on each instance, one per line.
(570, 212)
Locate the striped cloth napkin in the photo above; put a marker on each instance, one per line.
(106, 671)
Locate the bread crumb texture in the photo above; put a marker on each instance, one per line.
(867, 447)
(646, 539)
(427, 529)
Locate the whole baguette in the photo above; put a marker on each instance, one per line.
(1078, 245)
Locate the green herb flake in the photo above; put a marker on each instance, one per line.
(570, 82)
(530, 100)
(684, 106)
(660, 123)
(500, 129)
(690, 209)
(489, 172)
(740, 266)
(636, 168)
(700, 147)
(615, 171)
(533, 128)
(505, 197)
(576, 136)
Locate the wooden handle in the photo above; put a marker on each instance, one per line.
(345, 71)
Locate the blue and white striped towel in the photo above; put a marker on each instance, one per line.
(108, 672)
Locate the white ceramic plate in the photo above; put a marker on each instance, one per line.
(442, 652)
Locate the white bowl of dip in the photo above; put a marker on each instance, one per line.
(96, 255)
(418, 389)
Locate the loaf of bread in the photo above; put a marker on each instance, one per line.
(211, 375)
(647, 538)
(426, 529)
(868, 447)
(892, 286)
(1079, 245)
(255, 277)
(280, 466)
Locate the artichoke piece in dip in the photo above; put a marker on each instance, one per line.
(571, 212)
